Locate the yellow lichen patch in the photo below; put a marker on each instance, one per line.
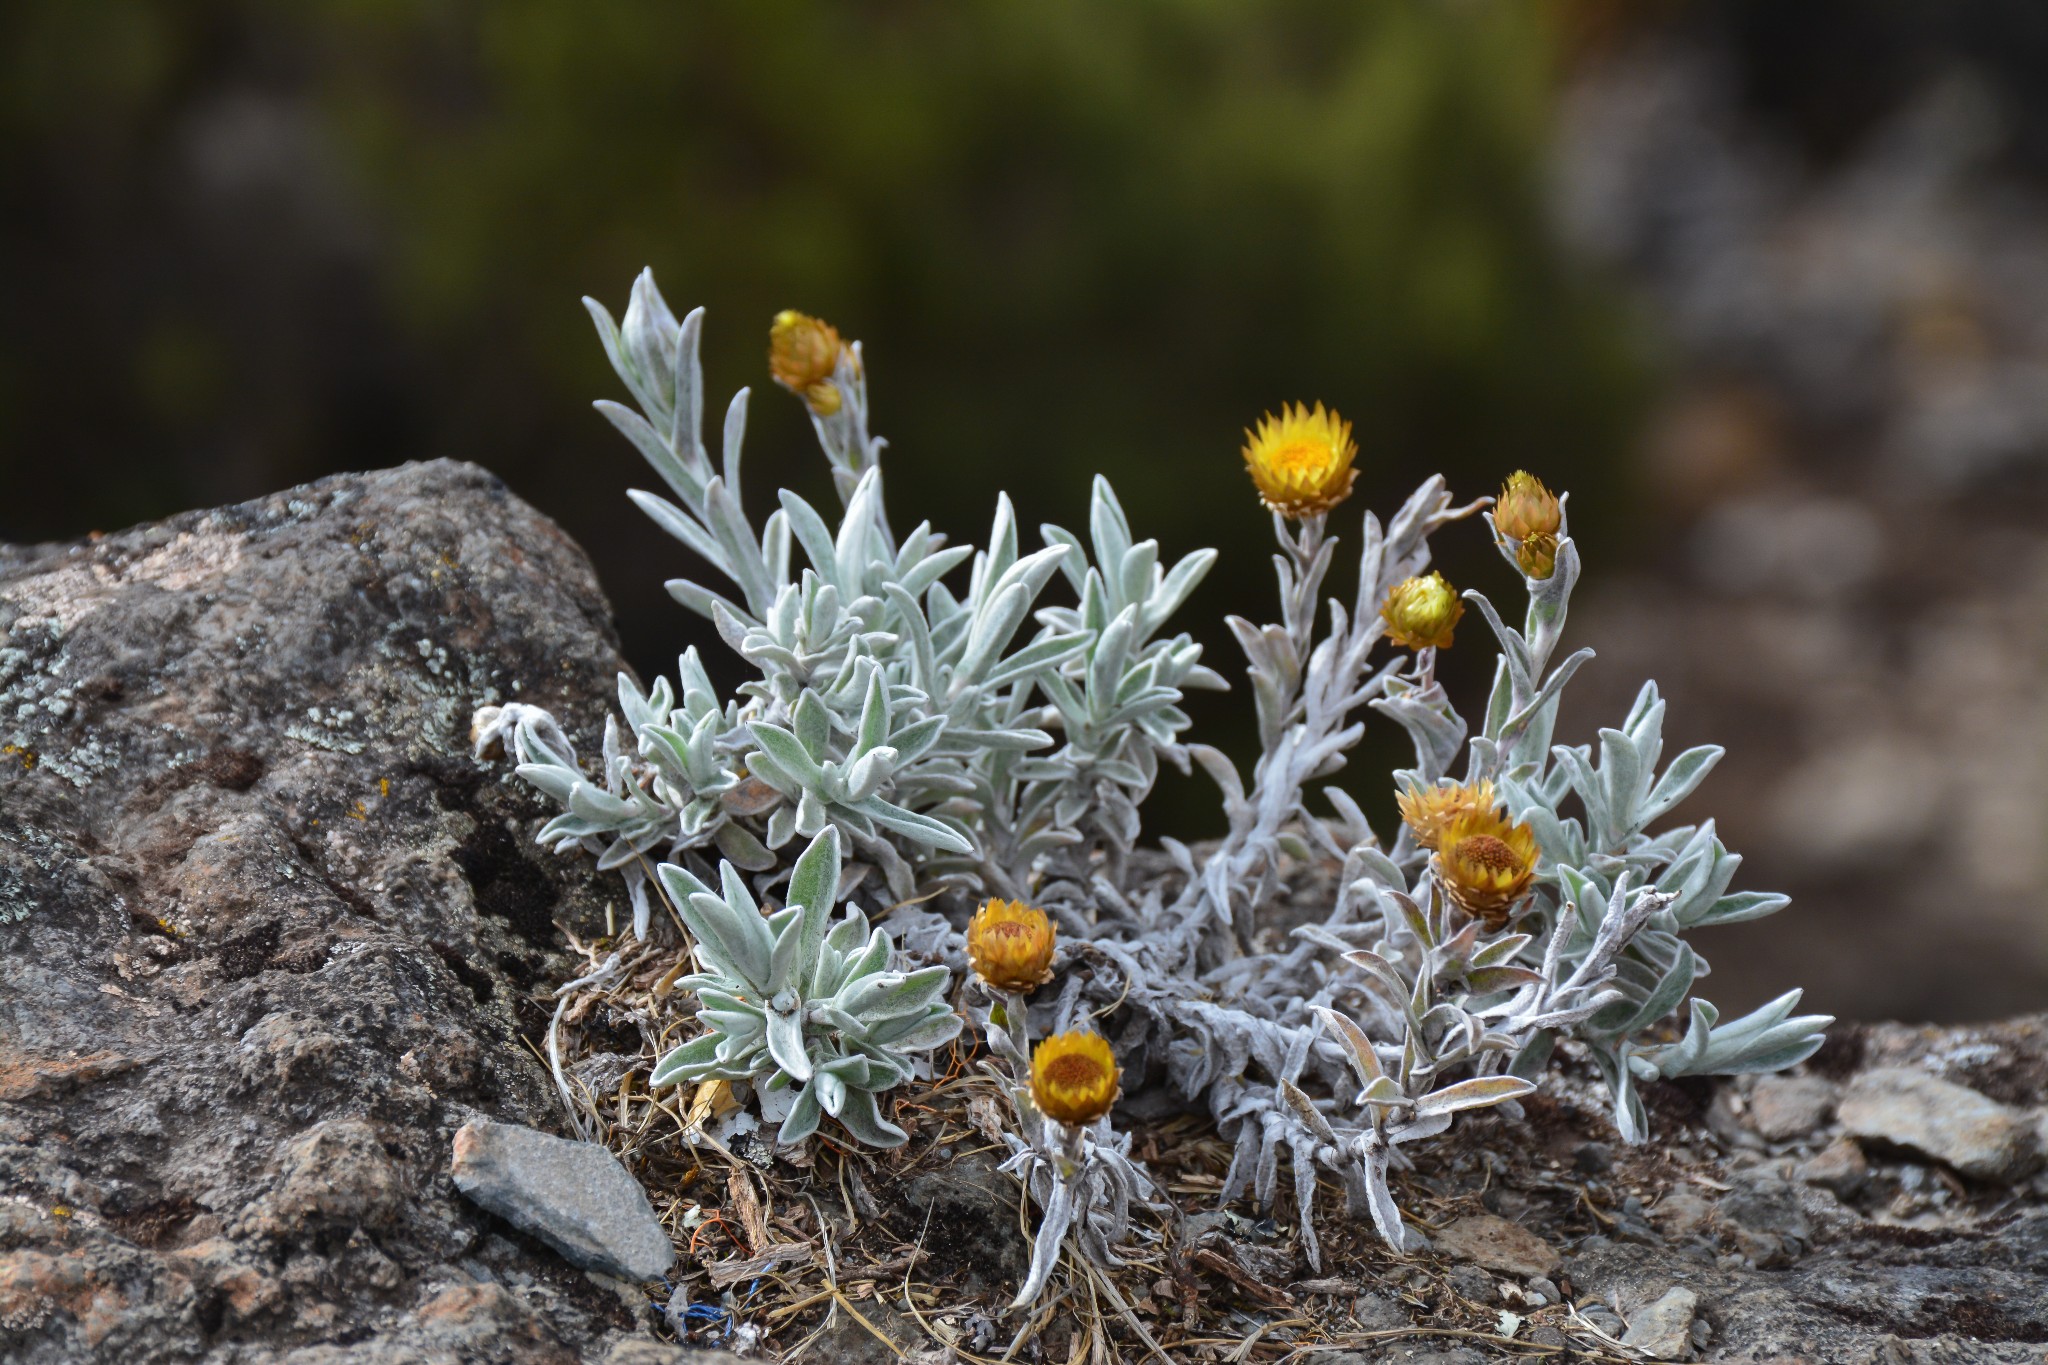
(1074, 1077)
(1301, 460)
(1427, 811)
(1010, 945)
(27, 756)
(1486, 864)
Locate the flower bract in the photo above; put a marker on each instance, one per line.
(1427, 811)
(1010, 945)
(1074, 1077)
(1421, 613)
(1301, 460)
(1527, 517)
(1486, 864)
(803, 354)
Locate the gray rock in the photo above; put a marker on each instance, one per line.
(1840, 1167)
(575, 1196)
(1500, 1245)
(1782, 1107)
(1975, 1134)
(1663, 1328)
(1471, 1284)
(1762, 1218)
(1378, 1312)
(1684, 1212)
(268, 934)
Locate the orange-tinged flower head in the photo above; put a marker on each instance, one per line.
(803, 355)
(1428, 811)
(1486, 864)
(1421, 613)
(1301, 460)
(1527, 517)
(1074, 1077)
(1010, 945)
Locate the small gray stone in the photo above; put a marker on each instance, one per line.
(1763, 1218)
(575, 1196)
(1604, 1318)
(1782, 1107)
(1840, 1166)
(1972, 1132)
(1377, 1312)
(1663, 1329)
(1497, 1244)
(1471, 1283)
(1682, 1213)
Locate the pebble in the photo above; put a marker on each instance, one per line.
(1663, 1328)
(1682, 1213)
(1782, 1107)
(1379, 1312)
(1499, 1245)
(1763, 1218)
(1972, 1132)
(1471, 1284)
(1840, 1166)
(575, 1196)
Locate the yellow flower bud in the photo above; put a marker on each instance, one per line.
(803, 355)
(1527, 518)
(1010, 945)
(1486, 864)
(1427, 811)
(1537, 555)
(1074, 1077)
(1421, 613)
(1300, 461)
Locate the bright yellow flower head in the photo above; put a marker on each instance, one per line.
(1527, 516)
(1428, 811)
(1074, 1077)
(1486, 864)
(1301, 460)
(1010, 945)
(1422, 612)
(803, 354)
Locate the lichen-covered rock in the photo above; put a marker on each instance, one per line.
(1498, 1244)
(1970, 1131)
(268, 935)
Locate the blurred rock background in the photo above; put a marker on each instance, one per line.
(1766, 286)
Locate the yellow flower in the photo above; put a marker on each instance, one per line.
(803, 354)
(1010, 945)
(1421, 613)
(1428, 811)
(1074, 1077)
(1527, 517)
(1486, 864)
(1301, 460)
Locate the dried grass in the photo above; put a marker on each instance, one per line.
(783, 1258)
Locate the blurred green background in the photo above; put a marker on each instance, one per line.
(246, 244)
(253, 243)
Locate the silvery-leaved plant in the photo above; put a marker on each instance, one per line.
(806, 1010)
(1532, 907)
(910, 715)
